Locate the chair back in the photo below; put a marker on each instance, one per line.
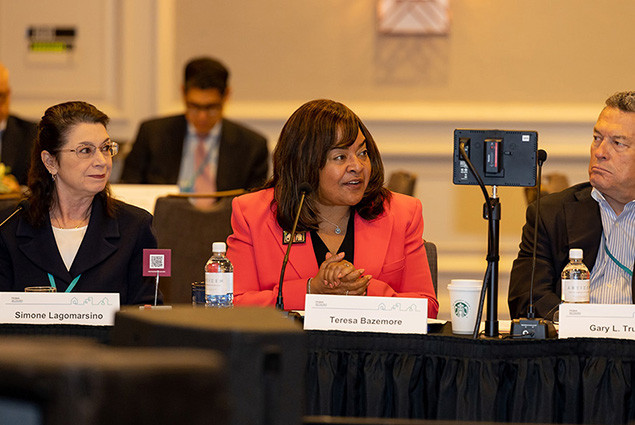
(431, 252)
(551, 183)
(8, 203)
(189, 232)
(402, 182)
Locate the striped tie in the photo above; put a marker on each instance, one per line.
(205, 180)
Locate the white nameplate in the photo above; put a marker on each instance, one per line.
(59, 308)
(597, 321)
(366, 314)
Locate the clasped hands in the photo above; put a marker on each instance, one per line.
(337, 276)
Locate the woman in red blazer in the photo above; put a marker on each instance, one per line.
(356, 237)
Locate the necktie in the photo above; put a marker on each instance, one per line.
(205, 180)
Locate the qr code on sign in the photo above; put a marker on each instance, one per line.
(157, 261)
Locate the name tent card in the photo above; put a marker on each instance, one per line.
(59, 308)
(597, 321)
(366, 314)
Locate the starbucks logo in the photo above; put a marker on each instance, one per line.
(461, 308)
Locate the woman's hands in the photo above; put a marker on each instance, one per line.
(337, 276)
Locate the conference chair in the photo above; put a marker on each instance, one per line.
(189, 232)
(402, 182)
(431, 252)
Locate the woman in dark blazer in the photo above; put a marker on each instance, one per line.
(358, 238)
(70, 234)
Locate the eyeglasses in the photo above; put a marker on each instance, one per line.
(108, 149)
(209, 109)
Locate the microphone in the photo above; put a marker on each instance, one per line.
(530, 327)
(305, 188)
(542, 157)
(23, 205)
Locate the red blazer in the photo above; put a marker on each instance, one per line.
(390, 248)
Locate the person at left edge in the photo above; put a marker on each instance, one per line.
(16, 134)
(73, 235)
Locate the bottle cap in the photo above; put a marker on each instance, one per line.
(219, 247)
(575, 253)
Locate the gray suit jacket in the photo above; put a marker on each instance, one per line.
(568, 219)
(17, 142)
(243, 157)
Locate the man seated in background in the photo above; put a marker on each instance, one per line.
(200, 150)
(16, 134)
(597, 216)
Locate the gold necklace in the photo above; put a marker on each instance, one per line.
(81, 223)
(60, 226)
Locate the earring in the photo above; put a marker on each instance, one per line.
(53, 176)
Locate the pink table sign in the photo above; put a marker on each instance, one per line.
(157, 262)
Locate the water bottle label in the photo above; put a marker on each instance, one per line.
(218, 283)
(229, 283)
(575, 290)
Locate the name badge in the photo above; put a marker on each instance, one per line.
(59, 308)
(366, 314)
(597, 321)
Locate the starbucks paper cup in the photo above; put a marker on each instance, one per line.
(464, 297)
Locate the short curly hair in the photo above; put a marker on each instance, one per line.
(624, 101)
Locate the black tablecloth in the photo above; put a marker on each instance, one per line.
(448, 378)
(98, 333)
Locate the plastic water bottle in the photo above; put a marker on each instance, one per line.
(575, 279)
(219, 278)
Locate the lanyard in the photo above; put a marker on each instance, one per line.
(70, 287)
(616, 261)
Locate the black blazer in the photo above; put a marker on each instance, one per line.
(568, 219)
(109, 258)
(17, 142)
(243, 156)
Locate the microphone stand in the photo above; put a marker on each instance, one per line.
(492, 213)
(530, 327)
(304, 189)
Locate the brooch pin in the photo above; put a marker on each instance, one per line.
(300, 237)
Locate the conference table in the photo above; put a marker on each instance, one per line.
(439, 376)
(445, 377)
